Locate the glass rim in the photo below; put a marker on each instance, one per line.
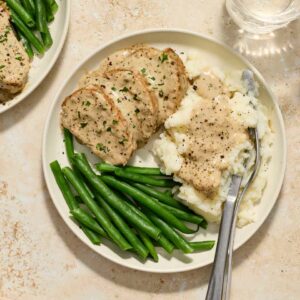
(288, 15)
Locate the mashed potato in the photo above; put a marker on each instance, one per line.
(248, 112)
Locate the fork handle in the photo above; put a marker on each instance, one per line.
(215, 288)
(228, 273)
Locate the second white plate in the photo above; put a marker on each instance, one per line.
(223, 58)
(41, 66)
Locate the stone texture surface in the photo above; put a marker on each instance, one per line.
(41, 259)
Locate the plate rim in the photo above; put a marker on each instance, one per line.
(188, 267)
(49, 67)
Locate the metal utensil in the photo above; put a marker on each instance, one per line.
(221, 273)
(252, 91)
(227, 279)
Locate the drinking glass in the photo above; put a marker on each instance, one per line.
(263, 16)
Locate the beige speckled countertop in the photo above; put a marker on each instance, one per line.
(39, 256)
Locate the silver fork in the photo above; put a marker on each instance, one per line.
(220, 279)
(227, 279)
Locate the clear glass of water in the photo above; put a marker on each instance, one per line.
(263, 16)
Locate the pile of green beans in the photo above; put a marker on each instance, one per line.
(30, 19)
(124, 207)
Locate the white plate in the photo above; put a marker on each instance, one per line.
(223, 57)
(41, 66)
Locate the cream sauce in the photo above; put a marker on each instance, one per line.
(209, 86)
(211, 135)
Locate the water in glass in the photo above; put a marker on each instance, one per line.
(263, 16)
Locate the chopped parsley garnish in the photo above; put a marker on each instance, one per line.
(87, 103)
(19, 58)
(78, 113)
(143, 71)
(124, 89)
(135, 97)
(161, 93)
(113, 88)
(104, 123)
(123, 141)
(82, 125)
(101, 147)
(108, 129)
(2, 66)
(163, 57)
(137, 111)
(115, 122)
(3, 39)
(152, 78)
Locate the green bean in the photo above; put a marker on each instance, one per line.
(82, 179)
(148, 243)
(204, 224)
(33, 9)
(171, 234)
(52, 6)
(68, 140)
(87, 220)
(147, 201)
(27, 4)
(84, 158)
(100, 215)
(183, 215)
(69, 146)
(143, 170)
(18, 9)
(49, 13)
(78, 199)
(35, 42)
(114, 201)
(41, 19)
(168, 193)
(137, 211)
(47, 38)
(160, 196)
(80, 215)
(27, 46)
(162, 241)
(202, 246)
(63, 185)
(167, 177)
(144, 179)
(137, 245)
(103, 167)
(165, 243)
(92, 236)
(149, 173)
